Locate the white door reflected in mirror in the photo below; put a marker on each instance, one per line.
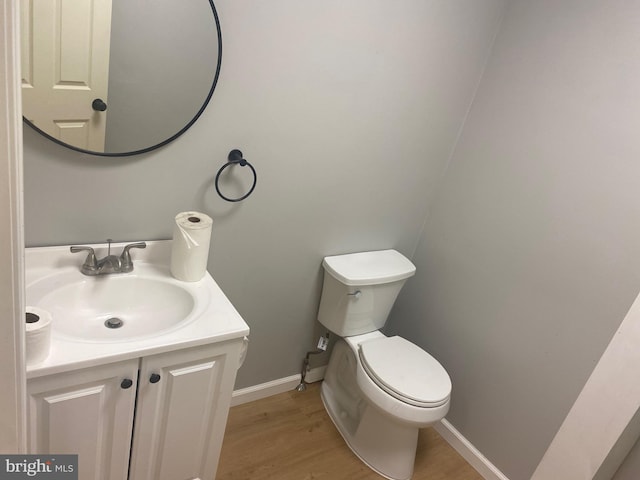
(65, 67)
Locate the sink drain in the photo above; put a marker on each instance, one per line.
(113, 322)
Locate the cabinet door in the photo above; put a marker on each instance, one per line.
(86, 412)
(183, 402)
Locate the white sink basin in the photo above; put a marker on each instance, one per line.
(158, 313)
(117, 307)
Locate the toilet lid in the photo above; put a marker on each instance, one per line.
(405, 371)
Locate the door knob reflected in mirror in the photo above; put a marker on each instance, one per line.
(98, 105)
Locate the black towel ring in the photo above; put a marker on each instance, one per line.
(235, 158)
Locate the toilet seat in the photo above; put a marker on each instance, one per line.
(405, 371)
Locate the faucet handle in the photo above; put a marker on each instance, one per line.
(90, 263)
(126, 265)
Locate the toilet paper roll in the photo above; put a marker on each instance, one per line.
(190, 246)
(38, 336)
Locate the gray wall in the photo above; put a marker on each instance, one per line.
(162, 58)
(530, 257)
(348, 111)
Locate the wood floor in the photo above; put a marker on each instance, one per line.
(290, 437)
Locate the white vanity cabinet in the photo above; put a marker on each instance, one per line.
(168, 424)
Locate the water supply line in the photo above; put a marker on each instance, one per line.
(322, 347)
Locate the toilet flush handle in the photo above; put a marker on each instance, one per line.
(355, 294)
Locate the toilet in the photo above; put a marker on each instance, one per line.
(378, 390)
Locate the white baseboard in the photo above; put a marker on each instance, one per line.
(470, 453)
(274, 387)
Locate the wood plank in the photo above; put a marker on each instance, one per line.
(290, 437)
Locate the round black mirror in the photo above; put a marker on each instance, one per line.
(122, 77)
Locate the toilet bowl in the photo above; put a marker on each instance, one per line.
(378, 390)
(380, 427)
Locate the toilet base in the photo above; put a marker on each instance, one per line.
(386, 441)
(384, 446)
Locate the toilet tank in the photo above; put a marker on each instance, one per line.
(359, 290)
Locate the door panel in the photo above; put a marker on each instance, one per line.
(65, 65)
(86, 413)
(181, 418)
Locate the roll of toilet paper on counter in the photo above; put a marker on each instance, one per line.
(38, 336)
(190, 246)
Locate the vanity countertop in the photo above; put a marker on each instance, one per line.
(213, 318)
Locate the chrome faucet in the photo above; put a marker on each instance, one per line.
(109, 264)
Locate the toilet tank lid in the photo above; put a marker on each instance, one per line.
(369, 268)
